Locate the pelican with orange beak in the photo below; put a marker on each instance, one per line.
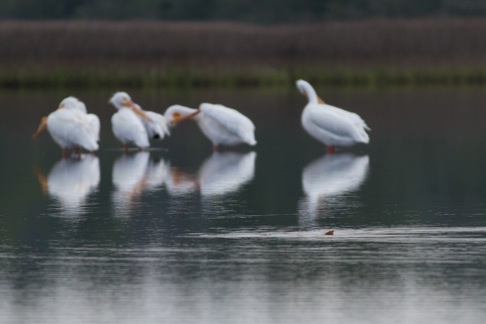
(223, 126)
(132, 125)
(71, 127)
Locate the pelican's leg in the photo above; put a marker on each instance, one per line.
(331, 149)
(64, 153)
(77, 151)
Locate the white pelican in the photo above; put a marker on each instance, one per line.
(71, 127)
(134, 126)
(222, 125)
(93, 120)
(331, 125)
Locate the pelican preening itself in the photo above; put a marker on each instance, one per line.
(331, 125)
(223, 126)
(132, 125)
(71, 127)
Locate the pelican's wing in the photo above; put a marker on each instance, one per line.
(338, 124)
(72, 126)
(232, 120)
(94, 126)
(348, 115)
(157, 128)
(128, 128)
(81, 106)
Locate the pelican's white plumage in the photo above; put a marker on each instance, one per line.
(157, 127)
(93, 120)
(222, 125)
(132, 125)
(331, 125)
(129, 129)
(71, 127)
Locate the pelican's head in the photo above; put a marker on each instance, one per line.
(177, 113)
(121, 100)
(303, 87)
(72, 103)
(307, 90)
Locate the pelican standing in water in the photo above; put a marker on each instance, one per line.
(71, 127)
(222, 125)
(134, 126)
(331, 125)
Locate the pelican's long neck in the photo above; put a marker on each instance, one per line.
(311, 94)
(181, 110)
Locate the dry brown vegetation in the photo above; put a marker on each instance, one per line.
(150, 52)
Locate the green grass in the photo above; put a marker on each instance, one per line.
(236, 78)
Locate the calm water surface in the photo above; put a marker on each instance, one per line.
(180, 234)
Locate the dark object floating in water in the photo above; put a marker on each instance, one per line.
(330, 232)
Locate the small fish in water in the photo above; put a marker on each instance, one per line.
(330, 232)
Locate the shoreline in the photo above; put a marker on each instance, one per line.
(239, 78)
(371, 53)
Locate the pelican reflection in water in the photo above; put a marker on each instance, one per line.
(221, 173)
(226, 172)
(329, 177)
(134, 174)
(71, 180)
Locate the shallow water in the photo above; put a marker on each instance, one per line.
(181, 234)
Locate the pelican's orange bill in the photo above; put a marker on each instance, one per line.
(42, 127)
(140, 112)
(178, 118)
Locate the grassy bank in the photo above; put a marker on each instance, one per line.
(138, 54)
(235, 78)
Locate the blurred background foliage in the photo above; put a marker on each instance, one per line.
(147, 43)
(260, 11)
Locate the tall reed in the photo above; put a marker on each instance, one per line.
(154, 53)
